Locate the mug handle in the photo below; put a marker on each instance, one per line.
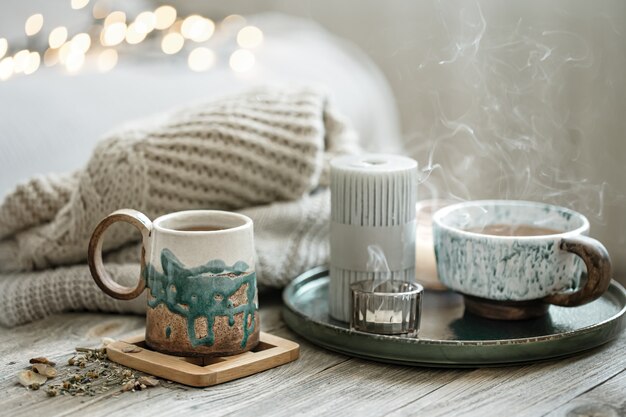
(599, 271)
(94, 256)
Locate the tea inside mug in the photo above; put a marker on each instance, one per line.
(200, 228)
(513, 230)
(201, 221)
(510, 218)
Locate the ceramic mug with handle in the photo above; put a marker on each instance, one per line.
(198, 269)
(512, 259)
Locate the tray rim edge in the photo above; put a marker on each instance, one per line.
(318, 272)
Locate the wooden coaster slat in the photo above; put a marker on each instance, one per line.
(134, 338)
(272, 351)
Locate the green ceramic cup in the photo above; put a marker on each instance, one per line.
(198, 267)
(512, 259)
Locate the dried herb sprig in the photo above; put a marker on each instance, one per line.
(89, 372)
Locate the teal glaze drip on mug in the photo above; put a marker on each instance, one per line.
(204, 291)
(198, 266)
(518, 268)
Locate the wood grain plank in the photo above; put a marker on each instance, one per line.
(530, 390)
(606, 400)
(319, 382)
(242, 394)
(356, 387)
(56, 337)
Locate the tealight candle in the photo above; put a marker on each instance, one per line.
(386, 307)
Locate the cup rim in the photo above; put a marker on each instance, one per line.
(157, 224)
(441, 213)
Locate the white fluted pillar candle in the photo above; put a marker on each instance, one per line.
(372, 206)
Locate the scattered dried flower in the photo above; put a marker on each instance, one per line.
(28, 378)
(83, 349)
(89, 373)
(130, 385)
(148, 381)
(45, 370)
(43, 360)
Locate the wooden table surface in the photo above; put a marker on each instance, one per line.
(320, 382)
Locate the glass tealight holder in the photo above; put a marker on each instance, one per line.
(386, 307)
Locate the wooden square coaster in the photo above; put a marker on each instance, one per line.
(272, 351)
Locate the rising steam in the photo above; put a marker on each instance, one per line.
(377, 263)
(506, 113)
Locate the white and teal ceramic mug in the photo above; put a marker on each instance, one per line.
(511, 259)
(198, 267)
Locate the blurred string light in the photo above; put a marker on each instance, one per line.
(100, 10)
(64, 52)
(249, 37)
(165, 17)
(113, 34)
(134, 35)
(112, 29)
(233, 21)
(242, 60)
(201, 59)
(115, 17)
(107, 59)
(81, 42)
(176, 26)
(33, 24)
(145, 22)
(197, 28)
(172, 43)
(50, 57)
(20, 60)
(32, 63)
(6, 68)
(79, 4)
(74, 61)
(57, 37)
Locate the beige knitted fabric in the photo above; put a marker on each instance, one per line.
(266, 149)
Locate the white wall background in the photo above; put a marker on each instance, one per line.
(515, 99)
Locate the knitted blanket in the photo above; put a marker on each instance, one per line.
(263, 152)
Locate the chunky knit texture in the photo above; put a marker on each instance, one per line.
(264, 151)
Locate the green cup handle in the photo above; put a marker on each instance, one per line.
(599, 271)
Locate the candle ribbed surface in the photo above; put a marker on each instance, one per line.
(372, 213)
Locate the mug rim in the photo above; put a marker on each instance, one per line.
(441, 213)
(157, 223)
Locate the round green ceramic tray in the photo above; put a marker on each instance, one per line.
(449, 337)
